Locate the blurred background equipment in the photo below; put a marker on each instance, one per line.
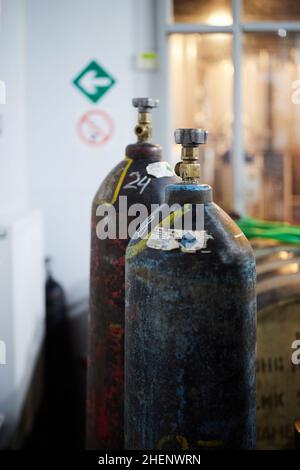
(59, 390)
(60, 418)
(278, 325)
(139, 178)
(297, 434)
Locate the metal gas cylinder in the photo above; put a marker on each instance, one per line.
(140, 178)
(190, 322)
(277, 364)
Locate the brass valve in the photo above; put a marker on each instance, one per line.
(143, 129)
(189, 167)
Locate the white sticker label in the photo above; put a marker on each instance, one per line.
(160, 169)
(188, 241)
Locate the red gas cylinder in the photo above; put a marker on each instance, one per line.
(140, 178)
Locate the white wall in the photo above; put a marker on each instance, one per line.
(22, 312)
(21, 252)
(62, 37)
(13, 161)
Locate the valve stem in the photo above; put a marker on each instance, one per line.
(189, 167)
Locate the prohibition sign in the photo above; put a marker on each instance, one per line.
(95, 127)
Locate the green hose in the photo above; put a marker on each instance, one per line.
(279, 231)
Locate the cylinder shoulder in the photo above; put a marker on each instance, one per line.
(218, 240)
(144, 150)
(141, 180)
(227, 237)
(104, 192)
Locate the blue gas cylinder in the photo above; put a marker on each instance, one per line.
(190, 322)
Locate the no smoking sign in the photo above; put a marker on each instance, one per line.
(95, 128)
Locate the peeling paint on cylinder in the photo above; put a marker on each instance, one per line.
(190, 338)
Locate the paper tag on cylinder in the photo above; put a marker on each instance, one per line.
(160, 169)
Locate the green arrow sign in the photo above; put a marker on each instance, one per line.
(94, 81)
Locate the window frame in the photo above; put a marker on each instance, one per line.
(166, 27)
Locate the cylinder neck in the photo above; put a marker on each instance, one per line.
(144, 150)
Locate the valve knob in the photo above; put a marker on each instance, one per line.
(145, 104)
(190, 137)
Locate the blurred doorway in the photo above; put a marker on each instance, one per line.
(234, 69)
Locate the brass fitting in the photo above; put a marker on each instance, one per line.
(143, 130)
(189, 167)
